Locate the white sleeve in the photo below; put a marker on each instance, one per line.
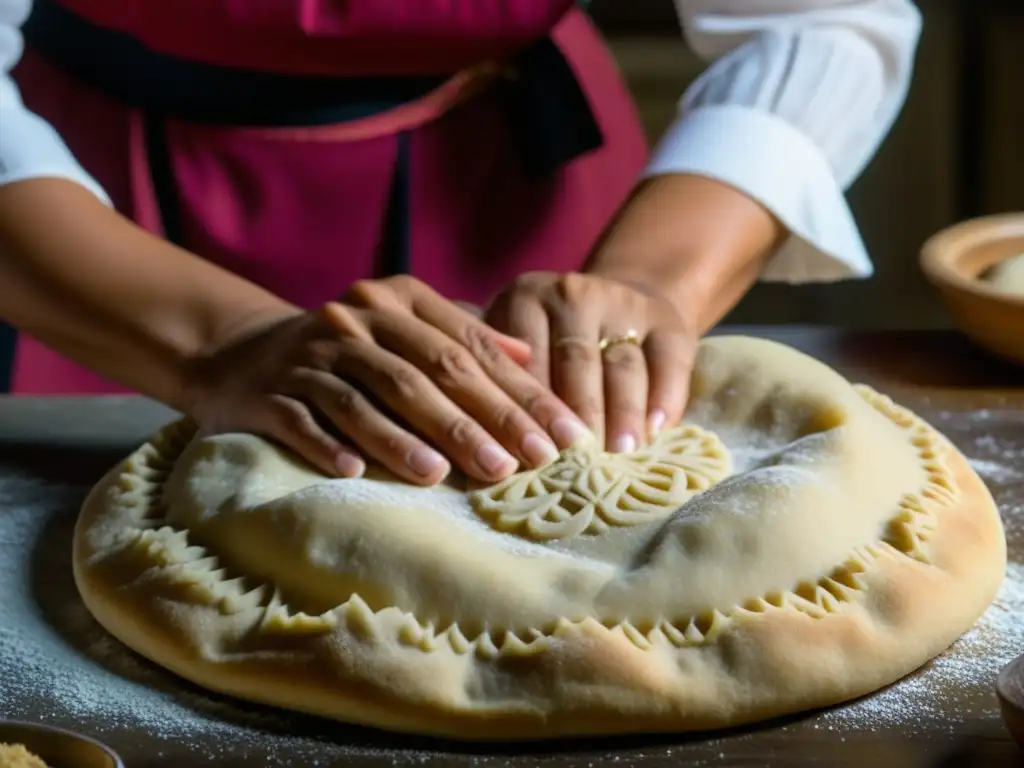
(29, 146)
(799, 97)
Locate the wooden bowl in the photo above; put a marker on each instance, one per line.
(58, 748)
(1010, 688)
(953, 261)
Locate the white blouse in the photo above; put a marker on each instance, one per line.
(798, 98)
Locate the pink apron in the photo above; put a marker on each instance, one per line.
(435, 180)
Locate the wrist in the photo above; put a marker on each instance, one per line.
(230, 329)
(96, 288)
(687, 284)
(696, 241)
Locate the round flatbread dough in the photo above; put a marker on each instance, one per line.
(796, 543)
(1008, 275)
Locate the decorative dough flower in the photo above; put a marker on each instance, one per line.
(588, 491)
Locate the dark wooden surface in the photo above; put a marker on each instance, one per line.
(935, 373)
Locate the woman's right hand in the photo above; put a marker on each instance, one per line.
(392, 372)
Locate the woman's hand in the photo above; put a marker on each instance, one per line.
(618, 354)
(617, 341)
(392, 372)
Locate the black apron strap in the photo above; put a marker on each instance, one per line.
(396, 244)
(161, 173)
(124, 69)
(550, 117)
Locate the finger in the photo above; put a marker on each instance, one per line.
(421, 296)
(523, 318)
(460, 376)
(474, 309)
(413, 397)
(373, 294)
(625, 396)
(291, 423)
(376, 435)
(670, 357)
(515, 348)
(519, 351)
(576, 371)
(343, 320)
(531, 395)
(527, 319)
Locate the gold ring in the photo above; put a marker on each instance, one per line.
(629, 337)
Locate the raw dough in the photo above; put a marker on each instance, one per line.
(17, 756)
(1008, 275)
(798, 543)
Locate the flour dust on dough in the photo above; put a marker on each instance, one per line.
(1008, 275)
(797, 542)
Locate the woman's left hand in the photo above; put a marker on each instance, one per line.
(618, 354)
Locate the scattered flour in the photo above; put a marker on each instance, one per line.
(59, 666)
(972, 664)
(749, 448)
(998, 460)
(994, 471)
(451, 506)
(997, 455)
(992, 440)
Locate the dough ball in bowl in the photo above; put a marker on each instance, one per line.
(1007, 275)
(976, 267)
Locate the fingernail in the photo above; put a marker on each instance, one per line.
(538, 450)
(493, 459)
(349, 466)
(624, 443)
(655, 422)
(567, 431)
(424, 461)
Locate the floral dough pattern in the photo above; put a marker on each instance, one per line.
(188, 573)
(589, 491)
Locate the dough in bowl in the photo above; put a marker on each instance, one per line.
(798, 542)
(1008, 275)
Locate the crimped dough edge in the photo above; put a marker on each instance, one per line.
(866, 624)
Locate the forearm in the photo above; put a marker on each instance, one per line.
(697, 240)
(92, 286)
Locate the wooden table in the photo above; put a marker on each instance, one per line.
(937, 374)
